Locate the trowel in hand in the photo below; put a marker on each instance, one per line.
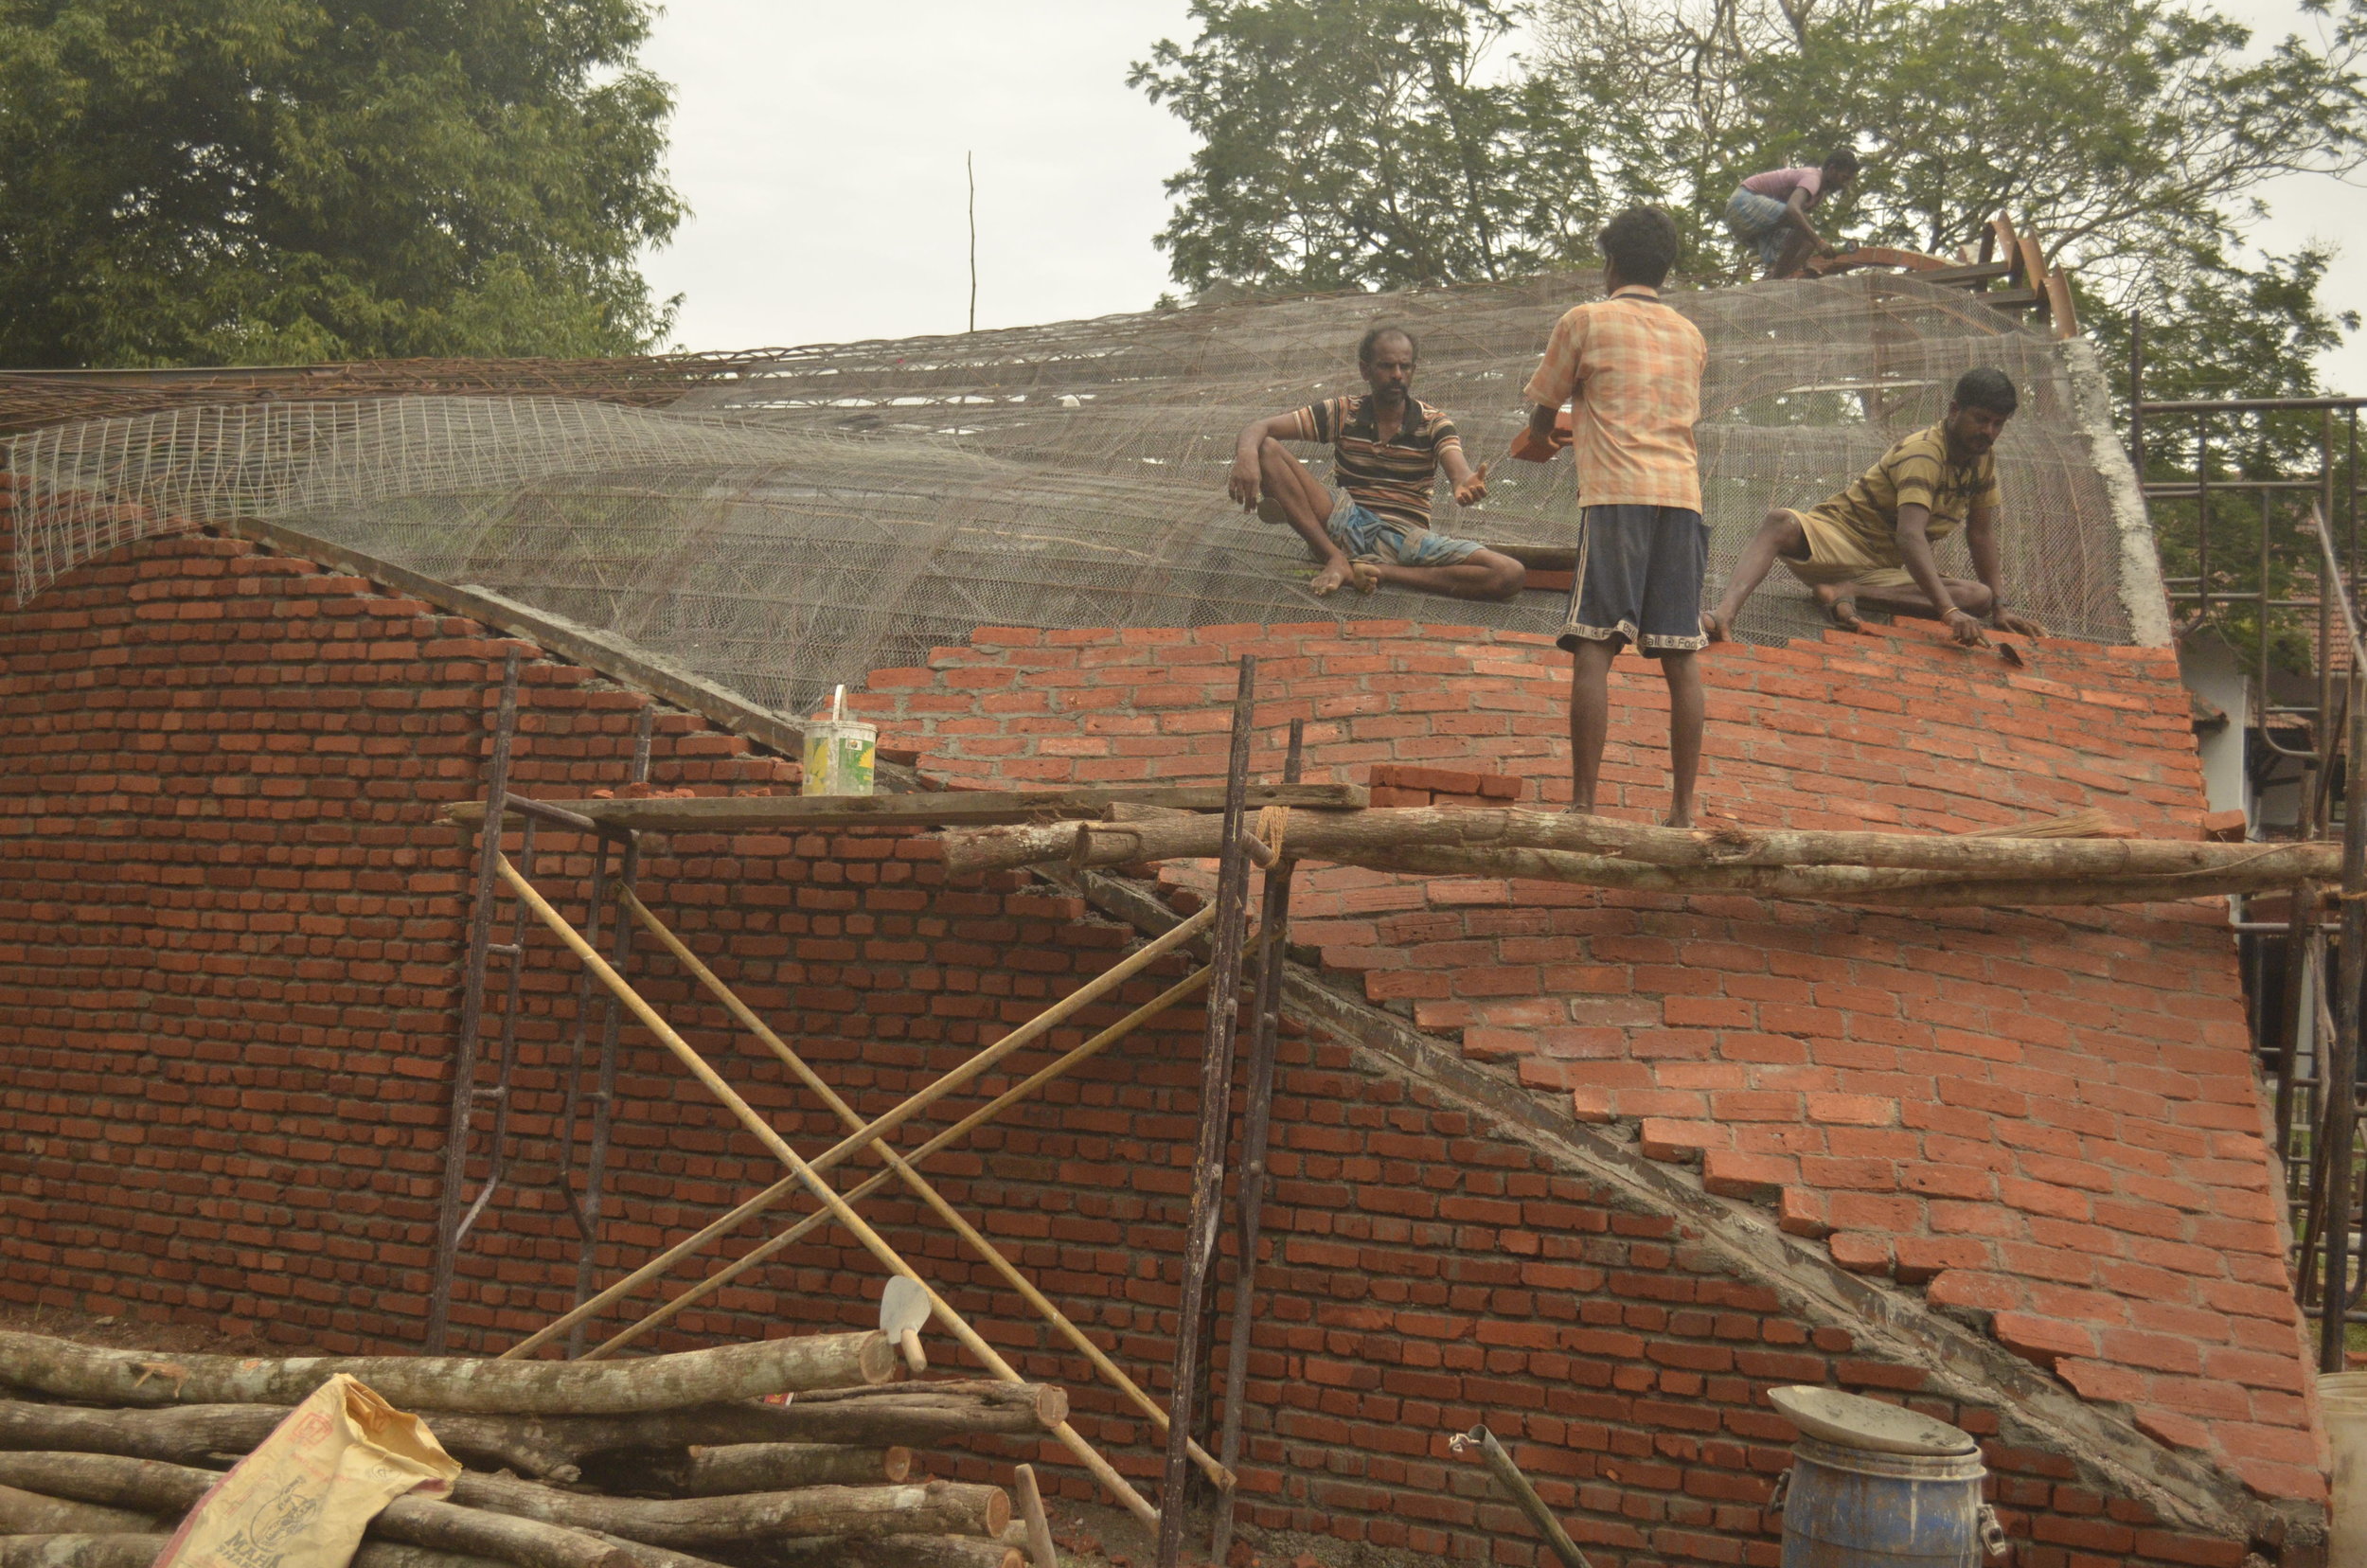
(904, 1307)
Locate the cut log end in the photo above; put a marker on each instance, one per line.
(876, 1360)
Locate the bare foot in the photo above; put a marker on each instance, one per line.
(1270, 510)
(1329, 577)
(1676, 818)
(1840, 608)
(1365, 574)
(1715, 628)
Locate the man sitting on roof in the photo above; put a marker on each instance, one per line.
(1874, 540)
(1387, 450)
(1769, 211)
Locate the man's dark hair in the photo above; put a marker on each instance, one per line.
(1987, 389)
(1842, 161)
(1370, 343)
(1642, 243)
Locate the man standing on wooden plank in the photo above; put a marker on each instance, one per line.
(1769, 211)
(1630, 368)
(1873, 542)
(1387, 448)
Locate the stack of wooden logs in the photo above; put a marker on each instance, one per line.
(676, 1461)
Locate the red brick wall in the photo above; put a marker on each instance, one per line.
(229, 919)
(2045, 1120)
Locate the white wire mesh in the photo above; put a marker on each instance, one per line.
(842, 509)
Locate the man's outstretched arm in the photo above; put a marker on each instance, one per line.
(1988, 566)
(1470, 484)
(1244, 484)
(1796, 214)
(1914, 553)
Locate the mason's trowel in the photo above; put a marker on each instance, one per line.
(904, 1307)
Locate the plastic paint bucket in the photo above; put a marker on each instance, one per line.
(840, 753)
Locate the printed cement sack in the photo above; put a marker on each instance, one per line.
(303, 1498)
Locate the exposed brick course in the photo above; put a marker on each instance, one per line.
(229, 927)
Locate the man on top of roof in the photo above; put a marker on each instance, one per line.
(1873, 542)
(1629, 367)
(1769, 211)
(1386, 449)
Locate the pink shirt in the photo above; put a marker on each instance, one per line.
(1780, 183)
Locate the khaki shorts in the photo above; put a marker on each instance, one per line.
(1839, 556)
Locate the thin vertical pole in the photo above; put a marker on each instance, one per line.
(604, 1096)
(1256, 1129)
(2136, 397)
(2203, 525)
(2338, 1073)
(1215, 1084)
(970, 167)
(464, 1054)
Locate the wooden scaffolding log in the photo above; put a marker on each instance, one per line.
(1215, 1084)
(1256, 1129)
(1890, 868)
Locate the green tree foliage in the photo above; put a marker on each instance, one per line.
(260, 181)
(1367, 143)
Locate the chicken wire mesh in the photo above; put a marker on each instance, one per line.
(834, 510)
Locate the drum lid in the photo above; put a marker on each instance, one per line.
(1852, 1421)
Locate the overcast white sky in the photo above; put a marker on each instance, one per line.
(821, 150)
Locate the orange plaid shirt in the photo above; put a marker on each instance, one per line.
(1630, 367)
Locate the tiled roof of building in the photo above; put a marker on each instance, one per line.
(2044, 1121)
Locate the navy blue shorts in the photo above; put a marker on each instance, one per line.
(1639, 579)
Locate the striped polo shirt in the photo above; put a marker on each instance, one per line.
(1393, 478)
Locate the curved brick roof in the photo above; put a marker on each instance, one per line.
(2044, 1121)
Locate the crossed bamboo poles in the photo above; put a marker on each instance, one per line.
(807, 1174)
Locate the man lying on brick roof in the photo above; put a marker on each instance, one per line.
(1873, 542)
(1387, 448)
(1629, 367)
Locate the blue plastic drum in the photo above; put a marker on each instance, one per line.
(1850, 1507)
(1877, 1485)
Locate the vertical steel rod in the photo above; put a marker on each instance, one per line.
(1257, 1127)
(2338, 1074)
(464, 1054)
(1216, 1099)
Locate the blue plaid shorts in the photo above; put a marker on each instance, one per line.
(1363, 533)
(1757, 219)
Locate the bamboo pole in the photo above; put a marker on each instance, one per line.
(1040, 1548)
(989, 1254)
(1060, 1065)
(1044, 1021)
(762, 1129)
